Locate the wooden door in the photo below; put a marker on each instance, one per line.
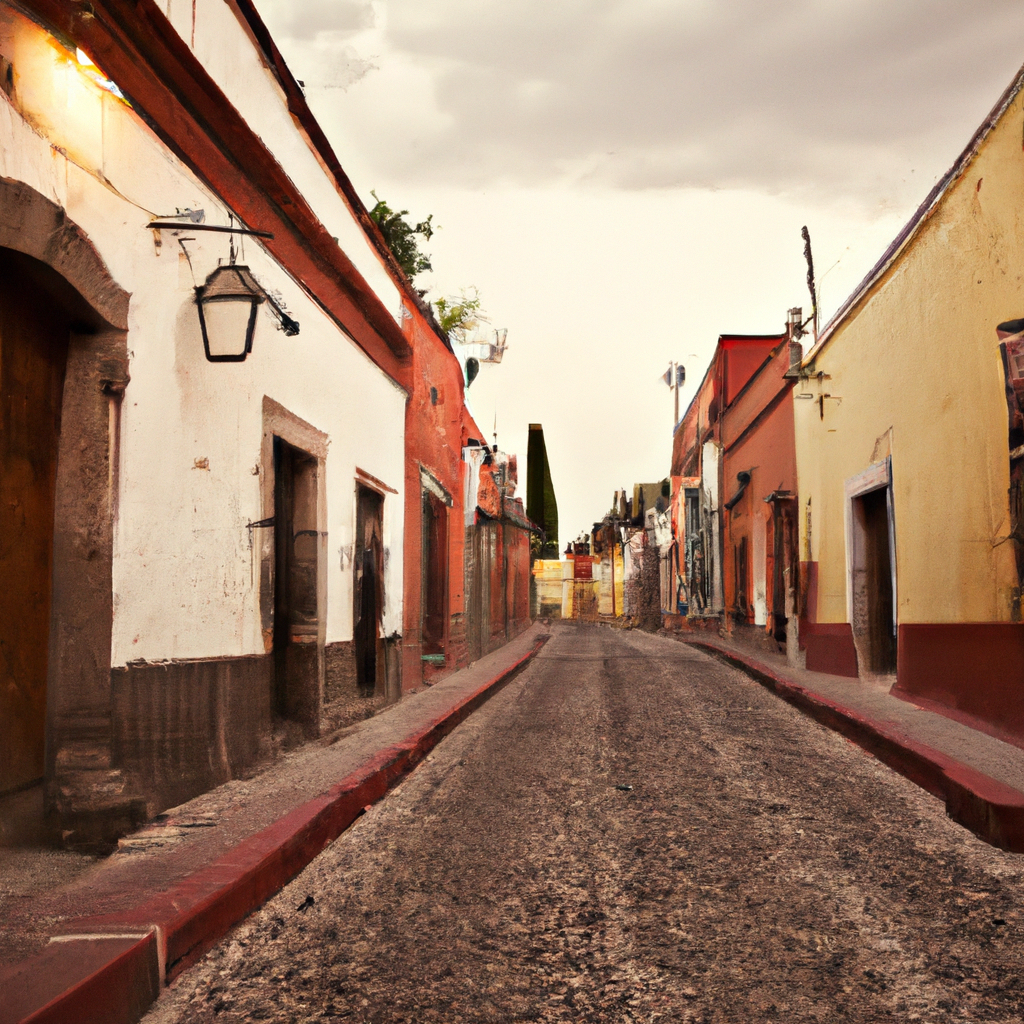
(33, 356)
(296, 610)
(434, 572)
(369, 587)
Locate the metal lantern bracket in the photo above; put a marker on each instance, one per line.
(288, 324)
(170, 225)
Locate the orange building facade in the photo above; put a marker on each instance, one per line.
(734, 489)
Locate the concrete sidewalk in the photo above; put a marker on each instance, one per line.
(105, 943)
(981, 778)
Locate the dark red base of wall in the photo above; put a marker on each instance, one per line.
(829, 647)
(969, 670)
(182, 727)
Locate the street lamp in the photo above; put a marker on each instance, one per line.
(227, 313)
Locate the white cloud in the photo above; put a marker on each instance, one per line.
(626, 179)
(643, 93)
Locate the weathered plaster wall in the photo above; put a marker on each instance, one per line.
(185, 572)
(437, 424)
(915, 372)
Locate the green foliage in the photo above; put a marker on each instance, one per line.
(400, 236)
(460, 315)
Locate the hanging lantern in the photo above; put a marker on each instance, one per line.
(227, 313)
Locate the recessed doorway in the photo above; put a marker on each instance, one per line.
(368, 611)
(297, 654)
(872, 575)
(34, 333)
(434, 573)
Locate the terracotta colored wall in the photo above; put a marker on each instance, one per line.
(436, 427)
(517, 553)
(744, 356)
(695, 423)
(739, 362)
(758, 437)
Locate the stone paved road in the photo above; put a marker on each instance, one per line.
(760, 868)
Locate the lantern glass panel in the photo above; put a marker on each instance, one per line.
(227, 325)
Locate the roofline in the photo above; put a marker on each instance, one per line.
(136, 45)
(321, 146)
(721, 338)
(752, 337)
(696, 394)
(920, 216)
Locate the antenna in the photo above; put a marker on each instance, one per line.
(806, 235)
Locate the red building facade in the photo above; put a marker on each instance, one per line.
(734, 488)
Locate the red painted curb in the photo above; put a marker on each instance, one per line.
(198, 911)
(990, 809)
(98, 980)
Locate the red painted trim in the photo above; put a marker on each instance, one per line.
(971, 669)
(137, 47)
(990, 809)
(299, 109)
(196, 912)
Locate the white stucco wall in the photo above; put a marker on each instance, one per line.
(185, 572)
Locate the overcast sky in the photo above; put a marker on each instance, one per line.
(625, 180)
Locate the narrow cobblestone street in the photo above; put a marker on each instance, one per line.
(632, 831)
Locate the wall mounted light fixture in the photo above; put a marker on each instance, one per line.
(227, 313)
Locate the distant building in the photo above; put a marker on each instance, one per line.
(497, 551)
(734, 476)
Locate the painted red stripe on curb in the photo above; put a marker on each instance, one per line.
(990, 809)
(199, 910)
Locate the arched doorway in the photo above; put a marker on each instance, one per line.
(63, 369)
(34, 331)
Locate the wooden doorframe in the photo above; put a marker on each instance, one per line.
(440, 502)
(298, 434)
(876, 478)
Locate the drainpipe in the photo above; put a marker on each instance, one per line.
(726, 618)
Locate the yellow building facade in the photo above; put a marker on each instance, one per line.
(903, 451)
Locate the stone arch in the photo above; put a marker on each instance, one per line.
(34, 225)
(86, 799)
